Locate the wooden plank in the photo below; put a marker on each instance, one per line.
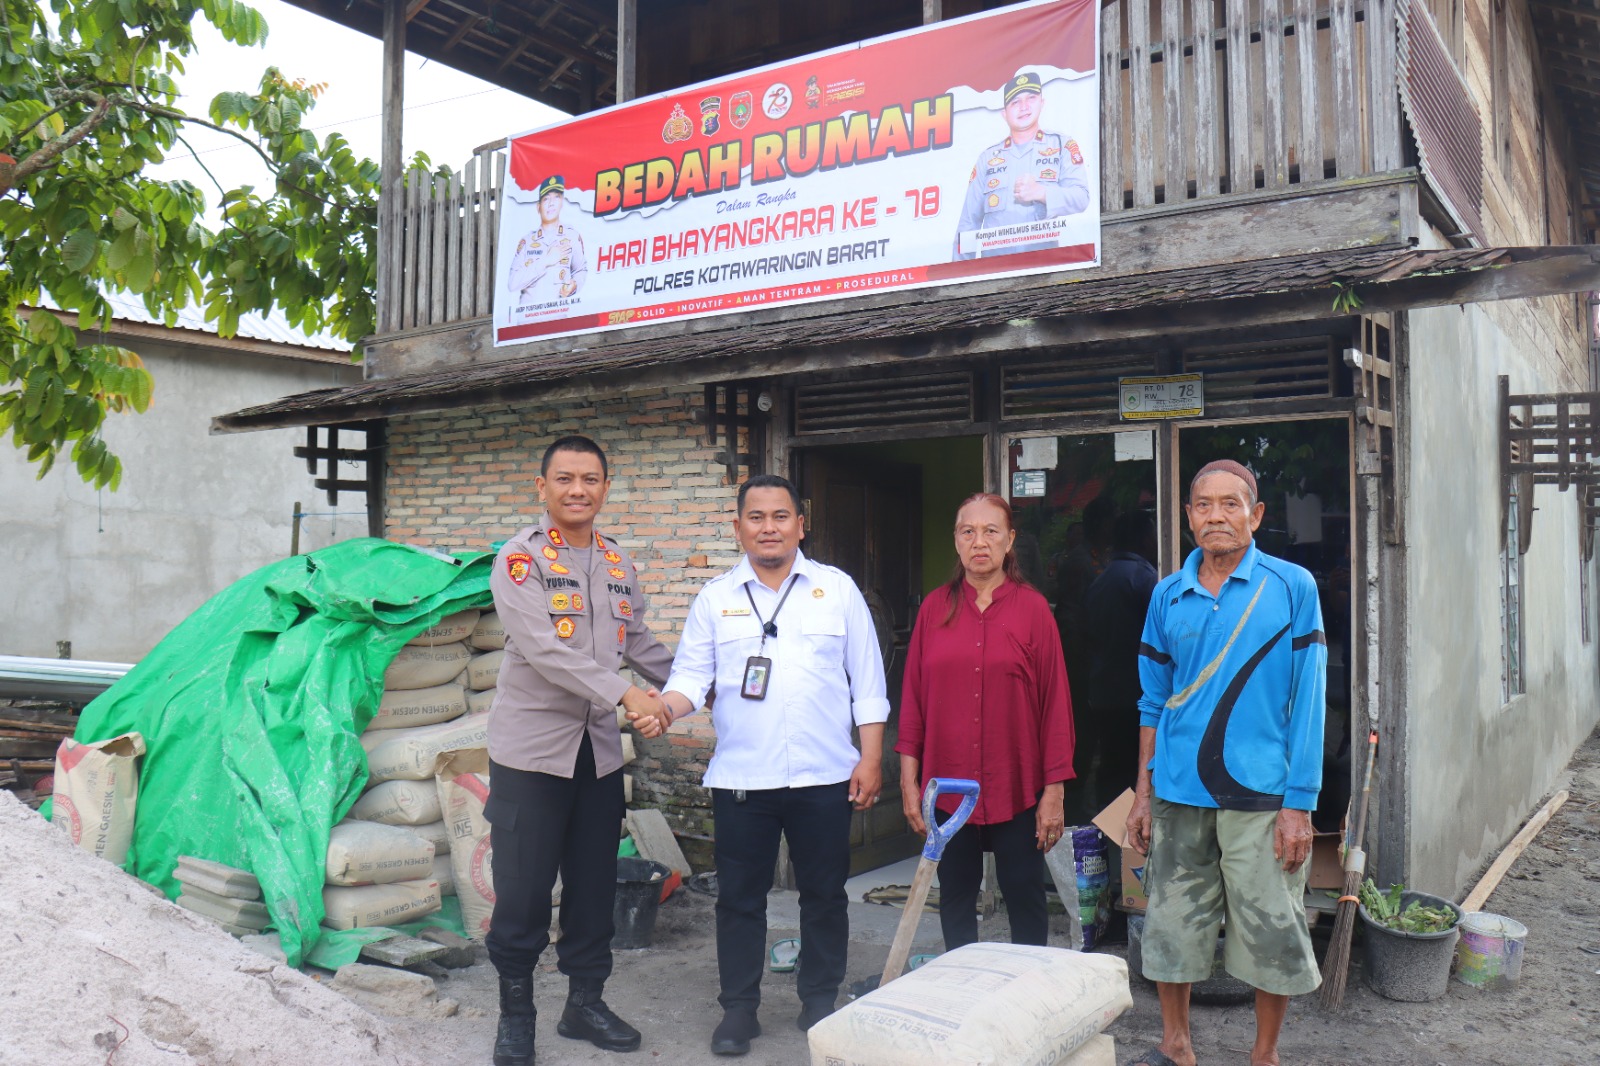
(408, 267)
(1111, 107)
(1140, 105)
(653, 837)
(1309, 150)
(1274, 146)
(1203, 15)
(423, 221)
(1172, 38)
(437, 287)
(1383, 95)
(1241, 171)
(1346, 108)
(454, 224)
(483, 286)
(1519, 843)
(391, 181)
(468, 290)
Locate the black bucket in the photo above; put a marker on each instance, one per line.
(638, 901)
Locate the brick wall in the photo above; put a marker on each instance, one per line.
(465, 480)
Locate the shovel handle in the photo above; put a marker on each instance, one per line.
(939, 835)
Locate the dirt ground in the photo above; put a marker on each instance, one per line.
(1551, 1019)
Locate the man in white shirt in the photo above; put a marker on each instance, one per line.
(791, 649)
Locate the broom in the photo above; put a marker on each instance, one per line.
(1336, 967)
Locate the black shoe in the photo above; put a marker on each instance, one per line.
(513, 1042)
(587, 1017)
(812, 1012)
(734, 1033)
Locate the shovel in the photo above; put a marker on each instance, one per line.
(932, 851)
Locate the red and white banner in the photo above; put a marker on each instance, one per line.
(965, 149)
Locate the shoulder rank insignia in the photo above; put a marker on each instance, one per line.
(625, 608)
(559, 601)
(550, 553)
(565, 628)
(612, 557)
(517, 567)
(557, 568)
(555, 537)
(617, 572)
(599, 542)
(577, 602)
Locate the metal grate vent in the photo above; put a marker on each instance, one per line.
(883, 403)
(1300, 367)
(1079, 385)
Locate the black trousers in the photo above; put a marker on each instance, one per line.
(541, 824)
(1018, 864)
(816, 820)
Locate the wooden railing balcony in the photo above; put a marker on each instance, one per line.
(1201, 101)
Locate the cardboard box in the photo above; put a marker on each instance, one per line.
(1326, 869)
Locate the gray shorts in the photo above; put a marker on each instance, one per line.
(1205, 863)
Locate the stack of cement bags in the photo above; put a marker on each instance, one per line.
(228, 896)
(389, 861)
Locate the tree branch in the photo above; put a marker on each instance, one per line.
(32, 164)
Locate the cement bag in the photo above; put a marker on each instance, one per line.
(463, 780)
(409, 754)
(425, 667)
(445, 874)
(451, 629)
(404, 708)
(97, 791)
(434, 832)
(1101, 1050)
(484, 670)
(409, 803)
(366, 853)
(369, 905)
(488, 634)
(979, 1005)
(480, 702)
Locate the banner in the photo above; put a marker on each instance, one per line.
(962, 150)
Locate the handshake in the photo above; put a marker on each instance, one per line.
(647, 710)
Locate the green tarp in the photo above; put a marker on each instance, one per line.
(251, 709)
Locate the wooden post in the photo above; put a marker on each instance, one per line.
(932, 11)
(391, 185)
(627, 50)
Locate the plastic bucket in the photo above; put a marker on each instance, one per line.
(1490, 952)
(1410, 967)
(638, 901)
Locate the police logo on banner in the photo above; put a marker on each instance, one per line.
(740, 107)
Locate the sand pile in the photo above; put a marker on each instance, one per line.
(102, 969)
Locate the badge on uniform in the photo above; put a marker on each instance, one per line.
(617, 572)
(612, 557)
(550, 553)
(517, 567)
(557, 568)
(559, 601)
(994, 200)
(625, 608)
(565, 628)
(577, 602)
(1076, 152)
(555, 537)
(622, 635)
(1047, 175)
(599, 542)
(757, 673)
(994, 183)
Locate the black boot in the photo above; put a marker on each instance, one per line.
(513, 1043)
(587, 1017)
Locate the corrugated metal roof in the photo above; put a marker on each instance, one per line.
(274, 327)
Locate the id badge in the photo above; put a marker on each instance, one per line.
(757, 672)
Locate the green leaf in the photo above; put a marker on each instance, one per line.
(80, 250)
(121, 251)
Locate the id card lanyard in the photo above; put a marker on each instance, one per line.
(758, 668)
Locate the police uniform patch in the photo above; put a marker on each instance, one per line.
(1049, 151)
(599, 542)
(565, 628)
(550, 553)
(994, 199)
(612, 557)
(622, 635)
(557, 568)
(517, 567)
(994, 183)
(625, 608)
(559, 602)
(577, 602)
(1047, 175)
(998, 161)
(617, 572)
(1075, 151)
(555, 537)
(818, 593)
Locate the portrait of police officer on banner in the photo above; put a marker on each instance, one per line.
(548, 263)
(1031, 175)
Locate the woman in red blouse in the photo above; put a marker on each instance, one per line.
(985, 697)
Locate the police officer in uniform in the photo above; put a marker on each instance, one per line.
(549, 263)
(569, 599)
(1029, 176)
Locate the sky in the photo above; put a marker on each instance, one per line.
(448, 113)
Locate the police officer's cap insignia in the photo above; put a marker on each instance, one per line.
(517, 567)
(554, 183)
(555, 537)
(679, 127)
(994, 199)
(1047, 175)
(565, 628)
(711, 115)
(1026, 82)
(625, 608)
(818, 593)
(550, 553)
(617, 572)
(577, 602)
(612, 557)
(557, 568)
(559, 601)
